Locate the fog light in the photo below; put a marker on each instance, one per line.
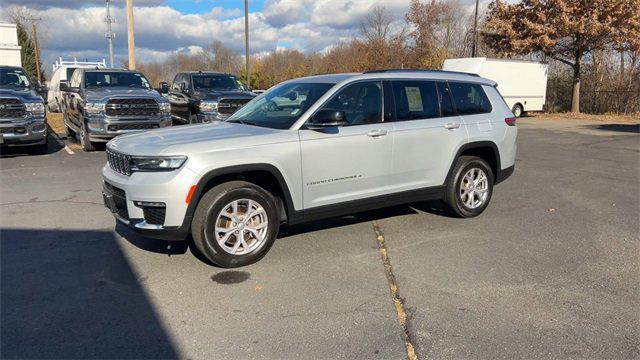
(20, 130)
(149, 204)
(38, 127)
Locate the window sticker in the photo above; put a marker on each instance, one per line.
(414, 98)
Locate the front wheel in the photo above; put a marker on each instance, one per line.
(470, 187)
(235, 224)
(85, 140)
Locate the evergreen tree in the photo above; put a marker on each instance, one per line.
(28, 51)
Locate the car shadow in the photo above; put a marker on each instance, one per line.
(73, 294)
(626, 128)
(16, 151)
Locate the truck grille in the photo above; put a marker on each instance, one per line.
(132, 107)
(119, 163)
(229, 106)
(12, 108)
(132, 127)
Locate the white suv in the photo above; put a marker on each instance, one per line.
(311, 148)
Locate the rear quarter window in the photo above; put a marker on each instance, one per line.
(469, 98)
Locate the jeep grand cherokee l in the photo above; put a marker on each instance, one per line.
(22, 116)
(356, 142)
(100, 104)
(198, 97)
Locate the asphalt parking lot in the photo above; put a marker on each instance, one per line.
(551, 269)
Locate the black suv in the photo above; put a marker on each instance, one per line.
(22, 116)
(100, 104)
(198, 96)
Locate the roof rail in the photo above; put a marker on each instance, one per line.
(59, 63)
(420, 70)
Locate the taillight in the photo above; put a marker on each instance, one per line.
(510, 121)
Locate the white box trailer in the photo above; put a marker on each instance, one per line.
(523, 84)
(9, 48)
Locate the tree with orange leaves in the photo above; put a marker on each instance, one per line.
(564, 30)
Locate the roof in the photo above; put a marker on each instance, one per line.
(397, 74)
(97, 69)
(11, 67)
(205, 72)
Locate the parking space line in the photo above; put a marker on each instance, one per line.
(395, 293)
(61, 142)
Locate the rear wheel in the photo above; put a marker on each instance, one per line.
(235, 224)
(517, 110)
(470, 187)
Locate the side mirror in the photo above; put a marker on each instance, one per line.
(163, 88)
(327, 118)
(64, 85)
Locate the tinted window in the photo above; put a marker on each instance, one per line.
(361, 103)
(469, 98)
(215, 82)
(444, 94)
(111, 79)
(13, 77)
(389, 106)
(415, 100)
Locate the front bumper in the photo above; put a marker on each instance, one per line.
(121, 193)
(23, 131)
(104, 128)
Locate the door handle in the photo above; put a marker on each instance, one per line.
(377, 133)
(451, 125)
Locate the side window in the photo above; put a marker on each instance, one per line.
(470, 98)
(176, 81)
(444, 94)
(361, 103)
(415, 100)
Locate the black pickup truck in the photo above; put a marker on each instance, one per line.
(100, 104)
(198, 96)
(22, 116)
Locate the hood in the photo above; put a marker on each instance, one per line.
(27, 95)
(104, 93)
(185, 140)
(218, 94)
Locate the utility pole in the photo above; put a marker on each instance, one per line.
(130, 37)
(246, 41)
(474, 48)
(35, 45)
(110, 35)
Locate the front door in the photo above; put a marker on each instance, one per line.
(348, 162)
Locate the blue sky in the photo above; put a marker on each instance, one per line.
(204, 6)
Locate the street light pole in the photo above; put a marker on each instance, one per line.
(246, 41)
(474, 48)
(130, 37)
(110, 35)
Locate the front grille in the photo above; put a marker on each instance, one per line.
(119, 199)
(229, 106)
(132, 127)
(132, 107)
(154, 215)
(119, 163)
(12, 108)
(13, 130)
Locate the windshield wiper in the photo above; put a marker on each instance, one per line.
(243, 122)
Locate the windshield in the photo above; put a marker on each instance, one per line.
(111, 79)
(14, 78)
(282, 106)
(215, 82)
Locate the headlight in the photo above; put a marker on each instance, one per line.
(35, 108)
(156, 163)
(208, 106)
(93, 108)
(165, 108)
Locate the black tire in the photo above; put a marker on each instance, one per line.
(213, 203)
(517, 110)
(83, 137)
(453, 197)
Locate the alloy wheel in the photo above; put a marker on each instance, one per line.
(474, 188)
(241, 227)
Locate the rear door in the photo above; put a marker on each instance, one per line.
(473, 106)
(349, 162)
(427, 134)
